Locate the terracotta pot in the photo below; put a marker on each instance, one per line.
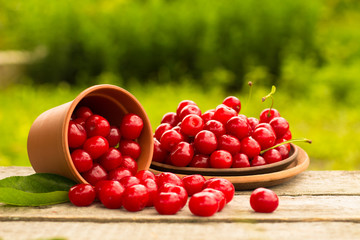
(47, 145)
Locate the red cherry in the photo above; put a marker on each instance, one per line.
(161, 129)
(96, 146)
(205, 142)
(233, 102)
(250, 147)
(189, 109)
(145, 174)
(114, 136)
(183, 104)
(82, 160)
(193, 183)
(98, 187)
(264, 137)
(170, 139)
(284, 151)
(182, 154)
(169, 187)
(220, 197)
(111, 194)
(216, 127)
(223, 113)
(280, 126)
(82, 195)
(129, 181)
(239, 127)
(253, 122)
(192, 124)
(111, 159)
(130, 164)
(152, 189)
(76, 135)
(168, 177)
(229, 143)
(95, 174)
(287, 135)
(135, 198)
(220, 159)
(208, 115)
(264, 200)
(203, 204)
(167, 203)
(200, 161)
(272, 156)
(97, 125)
(159, 154)
(83, 112)
(266, 115)
(130, 148)
(265, 125)
(240, 160)
(258, 161)
(170, 118)
(80, 121)
(118, 173)
(223, 185)
(131, 126)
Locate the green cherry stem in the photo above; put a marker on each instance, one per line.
(250, 83)
(270, 95)
(289, 141)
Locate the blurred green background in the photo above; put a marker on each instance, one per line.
(165, 51)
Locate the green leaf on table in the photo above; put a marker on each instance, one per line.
(35, 190)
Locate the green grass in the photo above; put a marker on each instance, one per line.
(332, 127)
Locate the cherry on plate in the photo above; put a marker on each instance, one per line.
(221, 159)
(205, 142)
(200, 161)
(182, 154)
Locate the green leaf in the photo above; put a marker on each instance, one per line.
(35, 190)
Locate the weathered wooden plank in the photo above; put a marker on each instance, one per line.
(190, 231)
(291, 209)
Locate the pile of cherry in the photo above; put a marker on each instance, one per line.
(220, 137)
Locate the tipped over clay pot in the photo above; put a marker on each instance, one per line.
(47, 145)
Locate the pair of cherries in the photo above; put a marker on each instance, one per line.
(220, 137)
(100, 150)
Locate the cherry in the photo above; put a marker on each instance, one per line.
(130, 148)
(161, 129)
(192, 124)
(169, 187)
(267, 114)
(83, 112)
(167, 203)
(135, 198)
(200, 161)
(170, 118)
(129, 181)
(98, 187)
(97, 125)
(182, 154)
(280, 126)
(205, 142)
(183, 104)
(203, 204)
(130, 164)
(185, 137)
(96, 146)
(119, 173)
(283, 150)
(229, 143)
(272, 156)
(95, 174)
(265, 125)
(233, 102)
(168, 177)
(264, 137)
(220, 197)
(114, 136)
(208, 115)
(152, 189)
(82, 160)
(159, 154)
(240, 160)
(264, 200)
(239, 127)
(82, 195)
(131, 126)
(253, 122)
(193, 183)
(189, 109)
(216, 127)
(287, 135)
(223, 185)
(250, 147)
(111, 159)
(80, 121)
(145, 174)
(170, 139)
(111, 194)
(258, 161)
(223, 113)
(76, 135)
(220, 159)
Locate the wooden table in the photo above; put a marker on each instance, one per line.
(313, 205)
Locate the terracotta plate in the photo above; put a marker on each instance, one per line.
(248, 182)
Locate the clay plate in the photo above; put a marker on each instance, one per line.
(273, 167)
(248, 182)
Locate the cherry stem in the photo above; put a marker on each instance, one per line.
(250, 83)
(273, 90)
(285, 142)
